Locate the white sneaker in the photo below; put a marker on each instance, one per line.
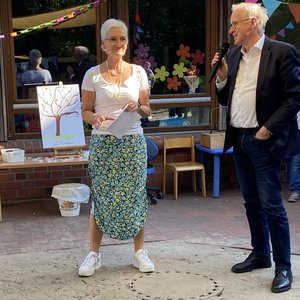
(91, 263)
(142, 262)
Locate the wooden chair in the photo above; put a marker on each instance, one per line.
(176, 167)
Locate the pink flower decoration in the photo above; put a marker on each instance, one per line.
(197, 57)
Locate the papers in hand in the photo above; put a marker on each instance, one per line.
(123, 122)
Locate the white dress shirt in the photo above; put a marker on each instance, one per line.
(243, 103)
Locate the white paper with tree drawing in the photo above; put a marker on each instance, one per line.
(60, 116)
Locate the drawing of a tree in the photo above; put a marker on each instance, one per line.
(59, 102)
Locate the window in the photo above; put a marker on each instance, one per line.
(168, 40)
(164, 33)
(56, 48)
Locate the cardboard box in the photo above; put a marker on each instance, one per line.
(13, 155)
(213, 140)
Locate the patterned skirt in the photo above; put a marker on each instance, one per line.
(118, 168)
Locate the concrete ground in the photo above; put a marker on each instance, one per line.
(193, 242)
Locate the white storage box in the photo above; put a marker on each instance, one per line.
(13, 155)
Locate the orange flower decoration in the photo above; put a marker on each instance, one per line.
(183, 52)
(173, 83)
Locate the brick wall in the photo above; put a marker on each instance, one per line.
(36, 183)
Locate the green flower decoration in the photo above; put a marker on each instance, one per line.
(179, 70)
(161, 73)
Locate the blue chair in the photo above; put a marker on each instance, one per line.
(152, 152)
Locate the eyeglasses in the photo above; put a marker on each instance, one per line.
(114, 41)
(235, 23)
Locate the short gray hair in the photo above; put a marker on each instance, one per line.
(83, 50)
(112, 23)
(254, 10)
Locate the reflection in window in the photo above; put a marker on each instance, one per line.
(178, 116)
(170, 37)
(55, 43)
(27, 123)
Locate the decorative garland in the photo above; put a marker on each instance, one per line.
(81, 10)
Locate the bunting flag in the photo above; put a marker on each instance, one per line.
(138, 23)
(83, 9)
(281, 32)
(290, 26)
(271, 6)
(138, 20)
(295, 10)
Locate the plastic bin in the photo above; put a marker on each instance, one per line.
(70, 196)
(13, 155)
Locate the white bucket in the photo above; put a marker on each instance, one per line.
(68, 208)
(69, 197)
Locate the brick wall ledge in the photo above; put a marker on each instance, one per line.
(35, 146)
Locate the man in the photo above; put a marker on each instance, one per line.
(260, 84)
(83, 63)
(293, 170)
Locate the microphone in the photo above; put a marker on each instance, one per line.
(222, 52)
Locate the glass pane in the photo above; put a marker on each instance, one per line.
(168, 37)
(29, 122)
(56, 44)
(178, 116)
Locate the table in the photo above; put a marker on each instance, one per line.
(217, 164)
(41, 161)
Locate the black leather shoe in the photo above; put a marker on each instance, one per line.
(282, 281)
(252, 262)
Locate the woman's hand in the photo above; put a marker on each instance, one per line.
(100, 119)
(131, 106)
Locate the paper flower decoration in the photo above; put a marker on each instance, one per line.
(161, 73)
(183, 52)
(142, 51)
(179, 70)
(173, 83)
(198, 57)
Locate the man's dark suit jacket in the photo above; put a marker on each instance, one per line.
(80, 70)
(277, 95)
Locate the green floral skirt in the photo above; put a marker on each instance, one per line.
(118, 168)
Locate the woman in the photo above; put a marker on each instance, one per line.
(117, 165)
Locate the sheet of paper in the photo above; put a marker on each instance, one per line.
(123, 122)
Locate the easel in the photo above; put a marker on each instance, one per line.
(68, 152)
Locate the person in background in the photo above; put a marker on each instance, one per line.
(293, 170)
(150, 75)
(35, 73)
(259, 82)
(83, 63)
(118, 166)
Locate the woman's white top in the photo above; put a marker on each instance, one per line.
(106, 101)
